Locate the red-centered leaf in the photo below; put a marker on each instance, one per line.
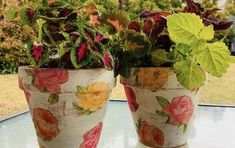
(99, 37)
(94, 19)
(118, 20)
(31, 14)
(37, 52)
(115, 24)
(134, 25)
(148, 26)
(81, 52)
(89, 34)
(107, 61)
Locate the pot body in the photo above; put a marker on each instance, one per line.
(162, 109)
(67, 106)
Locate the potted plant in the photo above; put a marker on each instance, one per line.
(68, 84)
(164, 59)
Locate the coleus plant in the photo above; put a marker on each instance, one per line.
(66, 38)
(182, 40)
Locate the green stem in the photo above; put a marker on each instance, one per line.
(40, 23)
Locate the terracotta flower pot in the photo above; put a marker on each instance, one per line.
(161, 108)
(67, 106)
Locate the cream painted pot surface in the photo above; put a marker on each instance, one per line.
(162, 109)
(67, 106)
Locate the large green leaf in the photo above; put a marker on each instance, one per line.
(159, 57)
(184, 27)
(207, 33)
(189, 74)
(136, 43)
(215, 58)
(198, 46)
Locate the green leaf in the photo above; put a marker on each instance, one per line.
(81, 110)
(53, 99)
(198, 46)
(207, 33)
(214, 58)
(159, 57)
(183, 49)
(11, 14)
(162, 113)
(136, 44)
(189, 74)
(81, 89)
(184, 27)
(162, 101)
(62, 49)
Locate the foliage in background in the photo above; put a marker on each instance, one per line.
(12, 36)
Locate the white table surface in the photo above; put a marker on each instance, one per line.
(214, 127)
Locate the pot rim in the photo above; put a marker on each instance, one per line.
(81, 69)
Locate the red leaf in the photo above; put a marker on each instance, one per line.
(134, 25)
(31, 14)
(107, 60)
(148, 25)
(37, 52)
(81, 51)
(99, 37)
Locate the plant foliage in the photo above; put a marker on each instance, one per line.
(184, 40)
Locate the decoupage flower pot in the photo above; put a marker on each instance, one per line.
(161, 108)
(67, 106)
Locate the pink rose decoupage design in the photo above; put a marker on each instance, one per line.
(131, 98)
(49, 79)
(179, 111)
(91, 138)
(46, 124)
